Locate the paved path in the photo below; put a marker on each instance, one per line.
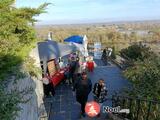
(64, 105)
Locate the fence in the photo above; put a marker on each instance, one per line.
(140, 109)
(45, 113)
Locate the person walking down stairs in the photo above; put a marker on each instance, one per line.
(100, 92)
(83, 87)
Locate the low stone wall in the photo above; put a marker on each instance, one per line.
(29, 110)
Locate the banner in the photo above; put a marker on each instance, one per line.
(97, 50)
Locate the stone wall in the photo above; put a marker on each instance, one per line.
(31, 109)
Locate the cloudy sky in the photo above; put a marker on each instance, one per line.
(91, 11)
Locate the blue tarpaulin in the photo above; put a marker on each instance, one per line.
(75, 39)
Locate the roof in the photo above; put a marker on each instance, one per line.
(51, 49)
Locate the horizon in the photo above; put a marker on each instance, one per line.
(96, 23)
(88, 12)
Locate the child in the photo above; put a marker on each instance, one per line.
(90, 64)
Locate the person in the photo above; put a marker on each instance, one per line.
(67, 75)
(100, 92)
(70, 56)
(83, 87)
(104, 54)
(77, 58)
(73, 66)
(48, 86)
(61, 64)
(90, 64)
(84, 66)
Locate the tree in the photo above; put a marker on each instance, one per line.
(16, 37)
(16, 31)
(145, 78)
(112, 37)
(144, 74)
(113, 55)
(136, 51)
(133, 37)
(126, 37)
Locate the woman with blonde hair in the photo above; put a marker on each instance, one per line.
(90, 64)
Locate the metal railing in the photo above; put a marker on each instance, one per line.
(45, 114)
(140, 109)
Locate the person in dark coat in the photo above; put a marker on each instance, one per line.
(83, 87)
(67, 75)
(73, 66)
(104, 54)
(100, 92)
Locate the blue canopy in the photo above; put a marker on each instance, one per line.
(75, 39)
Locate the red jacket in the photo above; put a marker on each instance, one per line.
(90, 64)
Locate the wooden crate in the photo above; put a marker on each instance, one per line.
(51, 67)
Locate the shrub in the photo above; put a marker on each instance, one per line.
(136, 51)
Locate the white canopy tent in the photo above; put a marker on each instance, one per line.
(48, 50)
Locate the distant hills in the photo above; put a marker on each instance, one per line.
(101, 23)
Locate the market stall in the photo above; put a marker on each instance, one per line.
(52, 57)
(49, 54)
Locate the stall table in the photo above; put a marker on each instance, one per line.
(58, 76)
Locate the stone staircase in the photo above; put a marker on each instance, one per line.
(64, 105)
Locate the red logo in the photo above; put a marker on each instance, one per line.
(92, 109)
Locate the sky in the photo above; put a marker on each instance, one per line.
(94, 11)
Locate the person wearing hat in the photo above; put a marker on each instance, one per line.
(83, 87)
